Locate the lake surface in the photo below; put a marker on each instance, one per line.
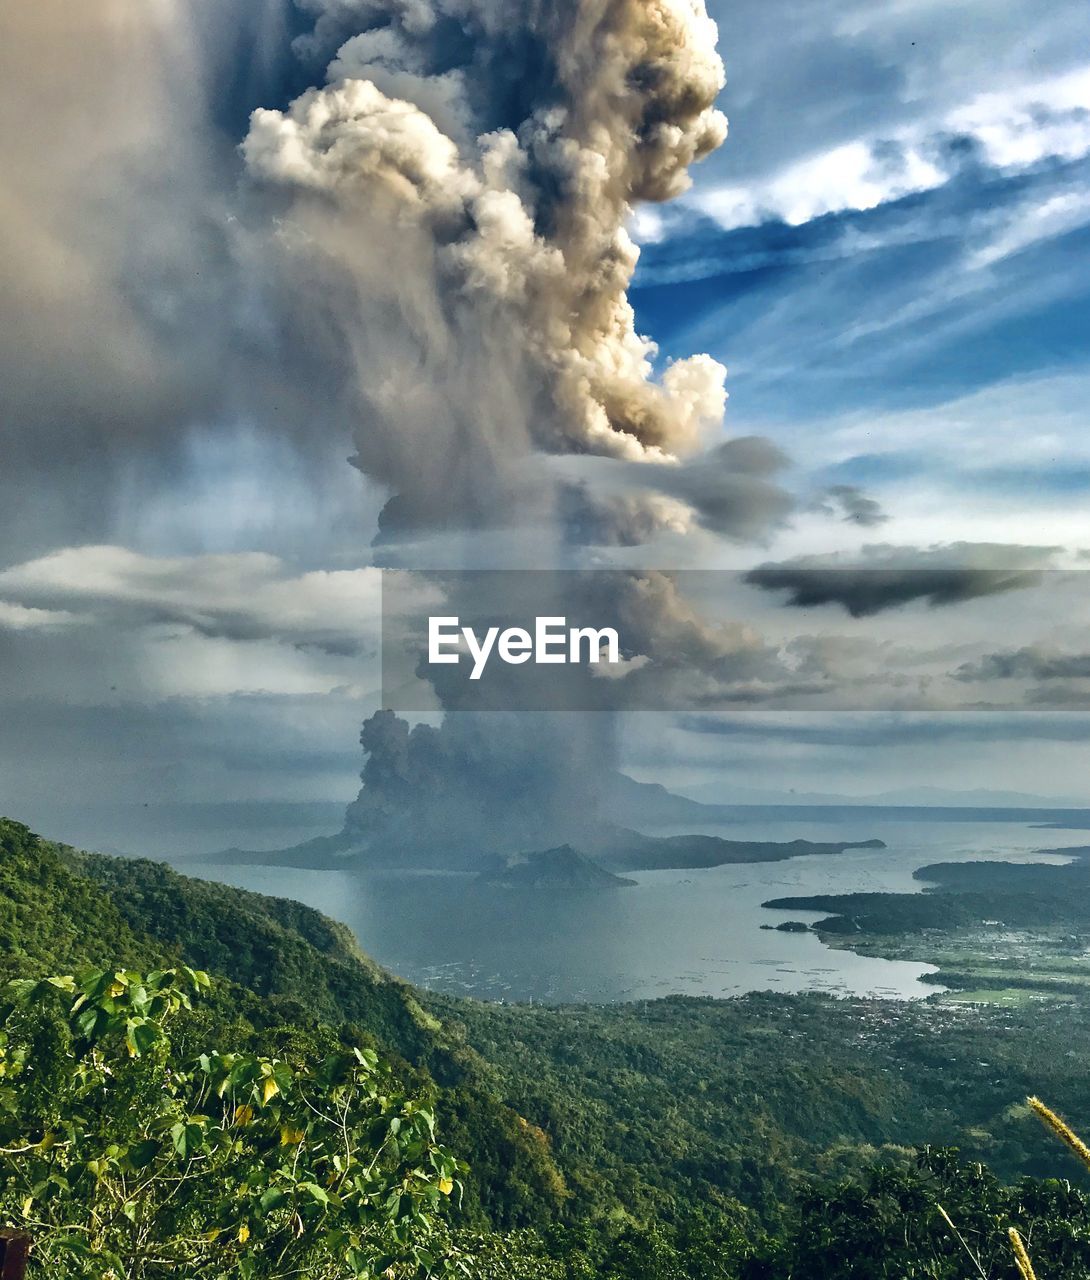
(688, 932)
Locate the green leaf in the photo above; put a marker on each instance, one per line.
(187, 1138)
(143, 1153)
(88, 1021)
(273, 1199)
(142, 1036)
(359, 1262)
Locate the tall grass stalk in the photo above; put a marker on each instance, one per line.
(961, 1240)
(1062, 1131)
(1021, 1257)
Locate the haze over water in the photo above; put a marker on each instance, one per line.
(690, 932)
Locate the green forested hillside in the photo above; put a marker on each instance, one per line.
(687, 1099)
(677, 1139)
(51, 914)
(286, 964)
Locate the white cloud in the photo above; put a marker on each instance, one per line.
(853, 176)
(1054, 217)
(16, 617)
(104, 626)
(1012, 130)
(1028, 423)
(1049, 120)
(993, 465)
(647, 225)
(239, 598)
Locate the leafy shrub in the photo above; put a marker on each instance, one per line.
(124, 1158)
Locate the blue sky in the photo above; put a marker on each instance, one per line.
(890, 254)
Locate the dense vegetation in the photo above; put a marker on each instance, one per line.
(129, 1155)
(765, 1138)
(963, 893)
(998, 930)
(285, 965)
(1018, 895)
(697, 1100)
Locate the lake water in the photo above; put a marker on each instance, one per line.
(688, 932)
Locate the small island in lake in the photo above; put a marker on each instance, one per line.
(626, 850)
(560, 868)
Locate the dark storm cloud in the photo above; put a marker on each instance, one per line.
(730, 490)
(887, 577)
(130, 309)
(1033, 662)
(851, 505)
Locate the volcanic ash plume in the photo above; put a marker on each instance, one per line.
(451, 209)
(456, 200)
(477, 785)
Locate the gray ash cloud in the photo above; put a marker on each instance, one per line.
(889, 577)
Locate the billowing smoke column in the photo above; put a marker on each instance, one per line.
(457, 199)
(476, 785)
(452, 235)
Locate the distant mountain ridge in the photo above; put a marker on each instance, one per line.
(904, 797)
